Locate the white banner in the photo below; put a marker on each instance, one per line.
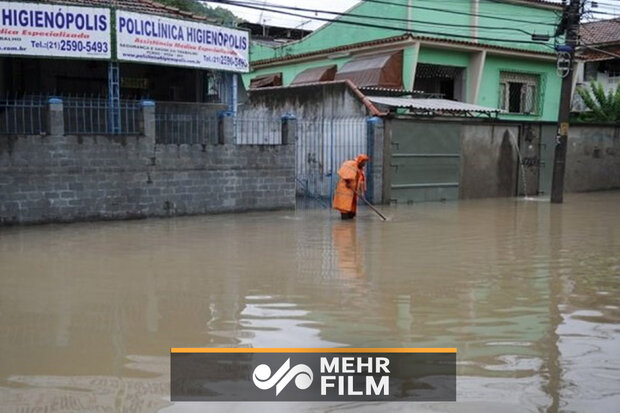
(160, 40)
(44, 30)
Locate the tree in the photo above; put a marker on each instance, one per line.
(603, 107)
(223, 16)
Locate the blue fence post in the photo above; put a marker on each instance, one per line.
(233, 101)
(289, 128)
(372, 125)
(148, 119)
(114, 98)
(55, 117)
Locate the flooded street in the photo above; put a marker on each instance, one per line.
(527, 292)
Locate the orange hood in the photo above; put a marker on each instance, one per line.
(361, 158)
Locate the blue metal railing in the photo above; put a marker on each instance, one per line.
(23, 115)
(186, 123)
(258, 131)
(91, 115)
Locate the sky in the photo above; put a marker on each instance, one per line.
(273, 19)
(611, 8)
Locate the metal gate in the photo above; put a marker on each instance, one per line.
(425, 161)
(547, 147)
(322, 145)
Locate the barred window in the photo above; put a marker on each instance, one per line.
(519, 93)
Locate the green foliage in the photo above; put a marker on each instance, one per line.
(223, 16)
(603, 107)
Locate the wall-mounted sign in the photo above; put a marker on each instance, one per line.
(161, 40)
(44, 30)
(135, 82)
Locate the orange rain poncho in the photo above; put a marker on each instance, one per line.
(352, 179)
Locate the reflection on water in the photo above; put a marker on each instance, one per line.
(527, 292)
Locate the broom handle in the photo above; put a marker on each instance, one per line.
(371, 206)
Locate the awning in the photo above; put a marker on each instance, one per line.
(315, 74)
(272, 79)
(434, 106)
(384, 70)
(600, 54)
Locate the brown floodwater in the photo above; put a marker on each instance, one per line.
(527, 291)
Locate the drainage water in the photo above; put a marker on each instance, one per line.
(527, 292)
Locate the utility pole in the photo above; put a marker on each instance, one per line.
(570, 27)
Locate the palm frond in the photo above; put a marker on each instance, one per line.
(603, 106)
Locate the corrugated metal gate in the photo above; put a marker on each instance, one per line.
(425, 161)
(322, 145)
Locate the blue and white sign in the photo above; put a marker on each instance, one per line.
(161, 40)
(54, 30)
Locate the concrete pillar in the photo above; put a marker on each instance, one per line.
(148, 119)
(578, 77)
(473, 20)
(55, 117)
(476, 68)
(289, 129)
(374, 169)
(225, 128)
(410, 62)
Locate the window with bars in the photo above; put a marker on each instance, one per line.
(519, 93)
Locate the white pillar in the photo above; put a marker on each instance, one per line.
(476, 68)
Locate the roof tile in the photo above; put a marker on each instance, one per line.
(600, 32)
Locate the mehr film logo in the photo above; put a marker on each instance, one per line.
(329, 369)
(300, 374)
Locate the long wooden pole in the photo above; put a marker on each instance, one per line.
(371, 206)
(572, 14)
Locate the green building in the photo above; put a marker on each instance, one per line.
(474, 51)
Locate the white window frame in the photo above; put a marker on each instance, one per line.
(530, 86)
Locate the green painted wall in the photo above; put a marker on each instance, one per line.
(443, 57)
(337, 34)
(410, 57)
(539, 21)
(549, 90)
(488, 95)
(426, 21)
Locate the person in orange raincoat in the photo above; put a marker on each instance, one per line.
(352, 180)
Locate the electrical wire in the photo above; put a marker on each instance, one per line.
(464, 13)
(395, 19)
(361, 24)
(496, 17)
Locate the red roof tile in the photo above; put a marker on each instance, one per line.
(600, 32)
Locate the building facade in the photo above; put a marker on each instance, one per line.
(101, 59)
(599, 57)
(476, 51)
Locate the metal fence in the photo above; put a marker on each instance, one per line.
(92, 115)
(322, 146)
(24, 115)
(258, 131)
(186, 123)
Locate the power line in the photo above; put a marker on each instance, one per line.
(602, 3)
(464, 13)
(395, 19)
(361, 24)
